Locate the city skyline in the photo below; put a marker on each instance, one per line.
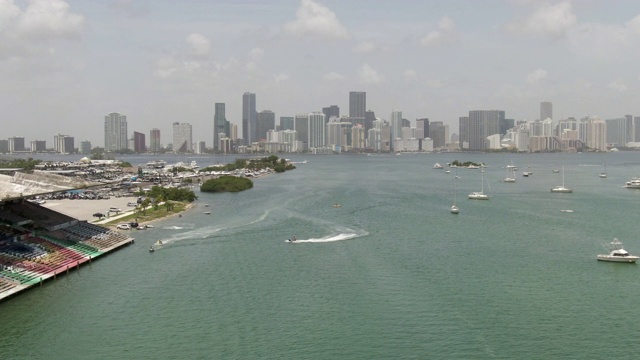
(67, 63)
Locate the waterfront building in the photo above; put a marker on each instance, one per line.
(16, 144)
(427, 145)
(437, 133)
(38, 145)
(358, 141)
(547, 127)
(200, 147)
(219, 123)
(593, 133)
(566, 124)
(266, 120)
(233, 132)
(396, 128)
(522, 138)
(139, 142)
(618, 131)
(546, 110)
(154, 139)
(463, 128)
(422, 128)
(182, 137)
(369, 118)
(85, 147)
(286, 123)
(357, 104)
(494, 142)
(337, 138)
(249, 118)
(301, 126)
(535, 128)
(316, 130)
(115, 132)
(225, 145)
(4, 146)
(63, 144)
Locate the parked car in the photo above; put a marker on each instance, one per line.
(132, 204)
(115, 209)
(98, 215)
(123, 227)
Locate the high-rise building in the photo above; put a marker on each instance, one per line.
(618, 131)
(115, 132)
(182, 137)
(154, 140)
(463, 128)
(139, 144)
(357, 104)
(16, 144)
(85, 147)
(63, 144)
(483, 123)
(219, 122)
(249, 118)
(330, 111)
(546, 110)
(266, 120)
(38, 145)
(396, 127)
(422, 128)
(369, 118)
(437, 133)
(4, 146)
(636, 128)
(286, 123)
(316, 130)
(301, 126)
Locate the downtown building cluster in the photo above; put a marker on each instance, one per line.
(329, 132)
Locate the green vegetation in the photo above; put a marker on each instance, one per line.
(146, 215)
(465, 164)
(28, 164)
(162, 194)
(227, 183)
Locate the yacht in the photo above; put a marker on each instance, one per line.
(617, 253)
(438, 166)
(634, 183)
(512, 167)
(561, 188)
(510, 178)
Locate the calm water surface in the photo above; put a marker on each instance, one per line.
(389, 275)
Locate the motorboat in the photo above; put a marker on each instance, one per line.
(207, 212)
(617, 253)
(567, 211)
(634, 183)
(438, 166)
(561, 188)
(158, 243)
(336, 205)
(455, 209)
(151, 249)
(292, 239)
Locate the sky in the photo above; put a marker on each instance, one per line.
(65, 64)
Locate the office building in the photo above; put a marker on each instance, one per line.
(16, 144)
(301, 126)
(115, 132)
(546, 110)
(182, 138)
(154, 140)
(85, 147)
(266, 120)
(219, 123)
(249, 118)
(286, 123)
(38, 145)
(139, 143)
(331, 111)
(316, 130)
(483, 123)
(63, 144)
(357, 104)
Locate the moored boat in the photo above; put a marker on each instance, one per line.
(617, 253)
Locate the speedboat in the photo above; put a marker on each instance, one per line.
(617, 253)
(292, 239)
(207, 212)
(151, 249)
(336, 205)
(158, 243)
(455, 209)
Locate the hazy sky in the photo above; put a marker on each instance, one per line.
(65, 64)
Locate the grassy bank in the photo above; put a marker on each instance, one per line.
(151, 214)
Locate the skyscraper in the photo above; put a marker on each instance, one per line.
(139, 142)
(154, 140)
(115, 132)
(249, 118)
(330, 111)
(357, 104)
(546, 110)
(316, 130)
(182, 137)
(396, 127)
(219, 119)
(301, 126)
(483, 123)
(286, 123)
(265, 121)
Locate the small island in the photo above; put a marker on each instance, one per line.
(226, 183)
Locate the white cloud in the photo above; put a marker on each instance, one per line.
(280, 77)
(314, 19)
(369, 75)
(617, 85)
(33, 31)
(445, 32)
(333, 76)
(365, 47)
(536, 76)
(409, 75)
(200, 45)
(548, 20)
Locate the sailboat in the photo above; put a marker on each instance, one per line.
(512, 178)
(454, 208)
(562, 188)
(479, 195)
(604, 173)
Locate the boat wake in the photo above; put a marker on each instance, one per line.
(175, 227)
(351, 234)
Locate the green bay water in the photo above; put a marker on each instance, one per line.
(391, 274)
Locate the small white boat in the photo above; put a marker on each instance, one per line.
(336, 205)
(151, 249)
(634, 183)
(455, 209)
(479, 195)
(526, 174)
(207, 212)
(567, 211)
(438, 166)
(447, 171)
(617, 253)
